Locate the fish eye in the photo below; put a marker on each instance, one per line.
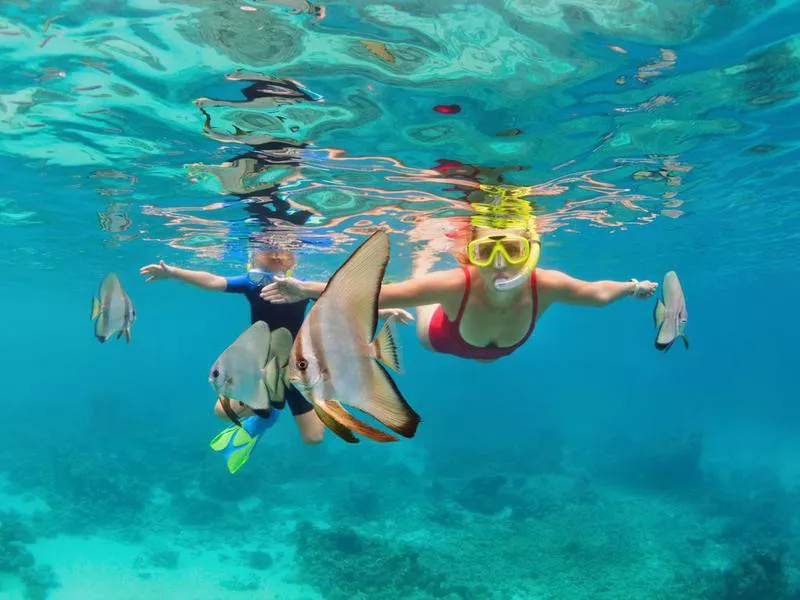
(215, 373)
(302, 364)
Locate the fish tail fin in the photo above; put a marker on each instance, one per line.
(386, 347)
(272, 376)
(659, 313)
(340, 414)
(336, 427)
(95, 308)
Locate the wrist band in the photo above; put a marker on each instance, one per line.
(635, 287)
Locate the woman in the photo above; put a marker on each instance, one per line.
(490, 306)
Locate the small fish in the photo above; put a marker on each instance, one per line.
(447, 109)
(379, 49)
(113, 220)
(246, 371)
(335, 357)
(113, 311)
(509, 132)
(670, 314)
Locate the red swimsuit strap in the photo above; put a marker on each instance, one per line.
(535, 293)
(464, 299)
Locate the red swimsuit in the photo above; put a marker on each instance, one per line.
(444, 335)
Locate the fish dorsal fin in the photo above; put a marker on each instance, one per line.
(257, 339)
(357, 283)
(110, 285)
(252, 342)
(671, 287)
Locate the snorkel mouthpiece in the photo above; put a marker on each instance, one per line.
(509, 283)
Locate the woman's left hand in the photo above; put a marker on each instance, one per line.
(400, 315)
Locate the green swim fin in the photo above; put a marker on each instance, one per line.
(236, 443)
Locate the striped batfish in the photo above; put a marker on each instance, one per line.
(248, 371)
(670, 314)
(337, 359)
(112, 311)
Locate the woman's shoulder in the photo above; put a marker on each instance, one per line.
(549, 278)
(447, 280)
(450, 276)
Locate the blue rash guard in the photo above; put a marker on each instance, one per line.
(289, 315)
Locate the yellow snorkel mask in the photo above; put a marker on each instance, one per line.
(512, 213)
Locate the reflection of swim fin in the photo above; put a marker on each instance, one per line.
(236, 443)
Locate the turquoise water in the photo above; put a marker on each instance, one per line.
(647, 136)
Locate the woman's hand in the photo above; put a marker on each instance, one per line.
(400, 316)
(157, 271)
(284, 290)
(643, 289)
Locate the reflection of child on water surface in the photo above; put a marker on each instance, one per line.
(290, 315)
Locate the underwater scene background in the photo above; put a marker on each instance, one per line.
(646, 136)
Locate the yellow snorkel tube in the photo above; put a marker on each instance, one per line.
(511, 213)
(524, 273)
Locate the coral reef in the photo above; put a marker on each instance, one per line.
(239, 584)
(538, 452)
(257, 560)
(667, 463)
(757, 575)
(344, 564)
(15, 558)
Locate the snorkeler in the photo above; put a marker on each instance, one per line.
(265, 266)
(489, 307)
(290, 315)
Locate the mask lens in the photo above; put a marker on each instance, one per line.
(481, 252)
(485, 250)
(516, 250)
